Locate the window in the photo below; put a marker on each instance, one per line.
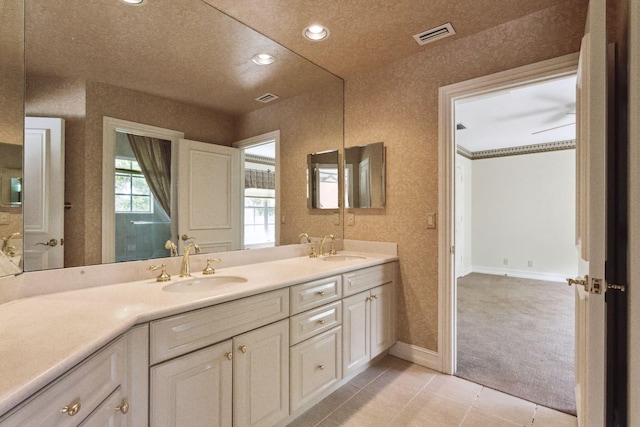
(132, 191)
(259, 219)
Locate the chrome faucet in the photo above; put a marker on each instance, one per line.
(332, 251)
(185, 269)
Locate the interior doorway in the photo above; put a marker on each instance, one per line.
(260, 190)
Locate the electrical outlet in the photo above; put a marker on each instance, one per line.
(336, 219)
(283, 219)
(505, 261)
(4, 218)
(351, 218)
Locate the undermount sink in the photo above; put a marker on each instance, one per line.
(336, 258)
(202, 284)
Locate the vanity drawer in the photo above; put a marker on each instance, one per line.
(305, 325)
(315, 367)
(80, 391)
(314, 294)
(181, 334)
(368, 278)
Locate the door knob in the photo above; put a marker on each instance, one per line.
(50, 243)
(185, 238)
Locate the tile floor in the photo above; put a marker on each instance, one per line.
(394, 392)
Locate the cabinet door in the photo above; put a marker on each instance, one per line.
(316, 365)
(261, 375)
(382, 319)
(356, 347)
(136, 384)
(193, 390)
(106, 414)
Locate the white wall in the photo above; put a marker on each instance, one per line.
(524, 210)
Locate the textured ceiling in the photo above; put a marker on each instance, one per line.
(178, 49)
(191, 52)
(365, 34)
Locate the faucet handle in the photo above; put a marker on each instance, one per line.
(163, 277)
(208, 269)
(312, 251)
(171, 246)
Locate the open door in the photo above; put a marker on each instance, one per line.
(209, 196)
(591, 220)
(43, 206)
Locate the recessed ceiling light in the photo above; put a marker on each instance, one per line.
(315, 33)
(263, 59)
(134, 2)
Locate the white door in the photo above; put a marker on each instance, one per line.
(365, 183)
(43, 208)
(209, 196)
(590, 220)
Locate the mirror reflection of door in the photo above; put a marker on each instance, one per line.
(327, 181)
(365, 183)
(43, 194)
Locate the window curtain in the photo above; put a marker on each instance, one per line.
(154, 157)
(259, 179)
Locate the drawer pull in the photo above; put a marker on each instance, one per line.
(228, 355)
(123, 407)
(321, 321)
(321, 293)
(321, 367)
(243, 348)
(72, 409)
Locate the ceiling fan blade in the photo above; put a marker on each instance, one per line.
(553, 128)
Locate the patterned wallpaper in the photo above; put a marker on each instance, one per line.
(398, 104)
(11, 72)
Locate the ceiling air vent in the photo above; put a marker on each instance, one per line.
(267, 97)
(434, 34)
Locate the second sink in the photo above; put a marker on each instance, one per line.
(202, 284)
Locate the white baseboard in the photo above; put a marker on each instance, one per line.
(421, 356)
(550, 277)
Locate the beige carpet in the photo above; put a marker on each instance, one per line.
(517, 336)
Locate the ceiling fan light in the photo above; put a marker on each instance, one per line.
(315, 33)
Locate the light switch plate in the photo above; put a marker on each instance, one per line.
(351, 218)
(336, 219)
(431, 220)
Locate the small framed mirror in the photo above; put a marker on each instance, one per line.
(364, 176)
(323, 178)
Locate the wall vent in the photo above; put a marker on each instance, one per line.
(267, 97)
(434, 34)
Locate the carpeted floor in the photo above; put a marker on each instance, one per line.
(517, 336)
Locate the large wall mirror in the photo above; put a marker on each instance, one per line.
(177, 65)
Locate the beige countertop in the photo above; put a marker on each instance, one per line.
(42, 337)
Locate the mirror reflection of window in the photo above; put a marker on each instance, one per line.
(260, 196)
(142, 226)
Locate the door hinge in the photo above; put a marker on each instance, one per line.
(596, 286)
(620, 288)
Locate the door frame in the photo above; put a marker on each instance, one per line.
(110, 126)
(551, 69)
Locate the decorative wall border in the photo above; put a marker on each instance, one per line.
(569, 144)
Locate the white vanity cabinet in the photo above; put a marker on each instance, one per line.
(207, 362)
(100, 391)
(368, 316)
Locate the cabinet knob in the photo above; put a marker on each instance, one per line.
(243, 348)
(321, 293)
(321, 321)
(228, 355)
(72, 409)
(321, 367)
(123, 407)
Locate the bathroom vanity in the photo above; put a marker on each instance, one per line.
(263, 345)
